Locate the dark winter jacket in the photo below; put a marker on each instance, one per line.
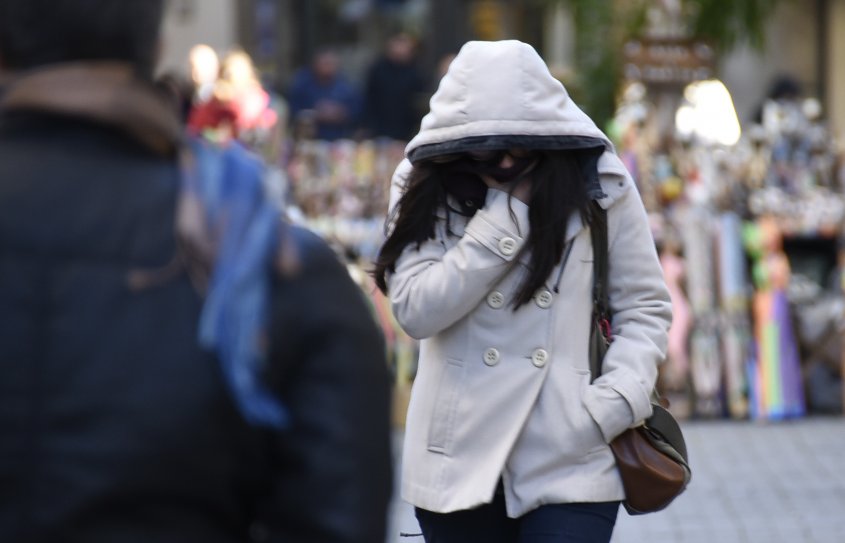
(307, 96)
(114, 425)
(392, 98)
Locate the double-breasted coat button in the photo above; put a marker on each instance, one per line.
(491, 356)
(507, 245)
(496, 299)
(543, 299)
(539, 357)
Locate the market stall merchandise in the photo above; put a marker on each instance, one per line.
(752, 219)
(339, 189)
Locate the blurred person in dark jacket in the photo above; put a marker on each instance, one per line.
(164, 375)
(322, 96)
(394, 92)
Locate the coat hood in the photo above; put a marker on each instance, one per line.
(498, 95)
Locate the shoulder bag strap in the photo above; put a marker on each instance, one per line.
(601, 305)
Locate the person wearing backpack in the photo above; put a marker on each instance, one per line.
(176, 363)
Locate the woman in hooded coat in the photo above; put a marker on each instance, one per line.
(488, 261)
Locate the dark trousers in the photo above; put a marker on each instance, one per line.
(558, 523)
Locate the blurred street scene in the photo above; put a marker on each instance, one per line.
(730, 117)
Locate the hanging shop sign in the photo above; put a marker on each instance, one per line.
(668, 61)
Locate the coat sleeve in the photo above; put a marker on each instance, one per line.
(434, 286)
(332, 476)
(639, 300)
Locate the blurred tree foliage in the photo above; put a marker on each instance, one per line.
(602, 27)
(727, 24)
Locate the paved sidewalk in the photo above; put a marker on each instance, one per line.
(752, 482)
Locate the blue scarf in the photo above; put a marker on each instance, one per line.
(227, 218)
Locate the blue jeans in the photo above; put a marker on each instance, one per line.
(557, 523)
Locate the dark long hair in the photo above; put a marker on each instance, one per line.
(558, 189)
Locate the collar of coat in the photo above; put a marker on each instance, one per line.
(106, 92)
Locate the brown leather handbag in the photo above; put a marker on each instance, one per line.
(652, 458)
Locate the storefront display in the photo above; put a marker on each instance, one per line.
(776, 390)
(745, 211)
(340, 190)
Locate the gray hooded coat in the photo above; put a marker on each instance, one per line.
(504, 394)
